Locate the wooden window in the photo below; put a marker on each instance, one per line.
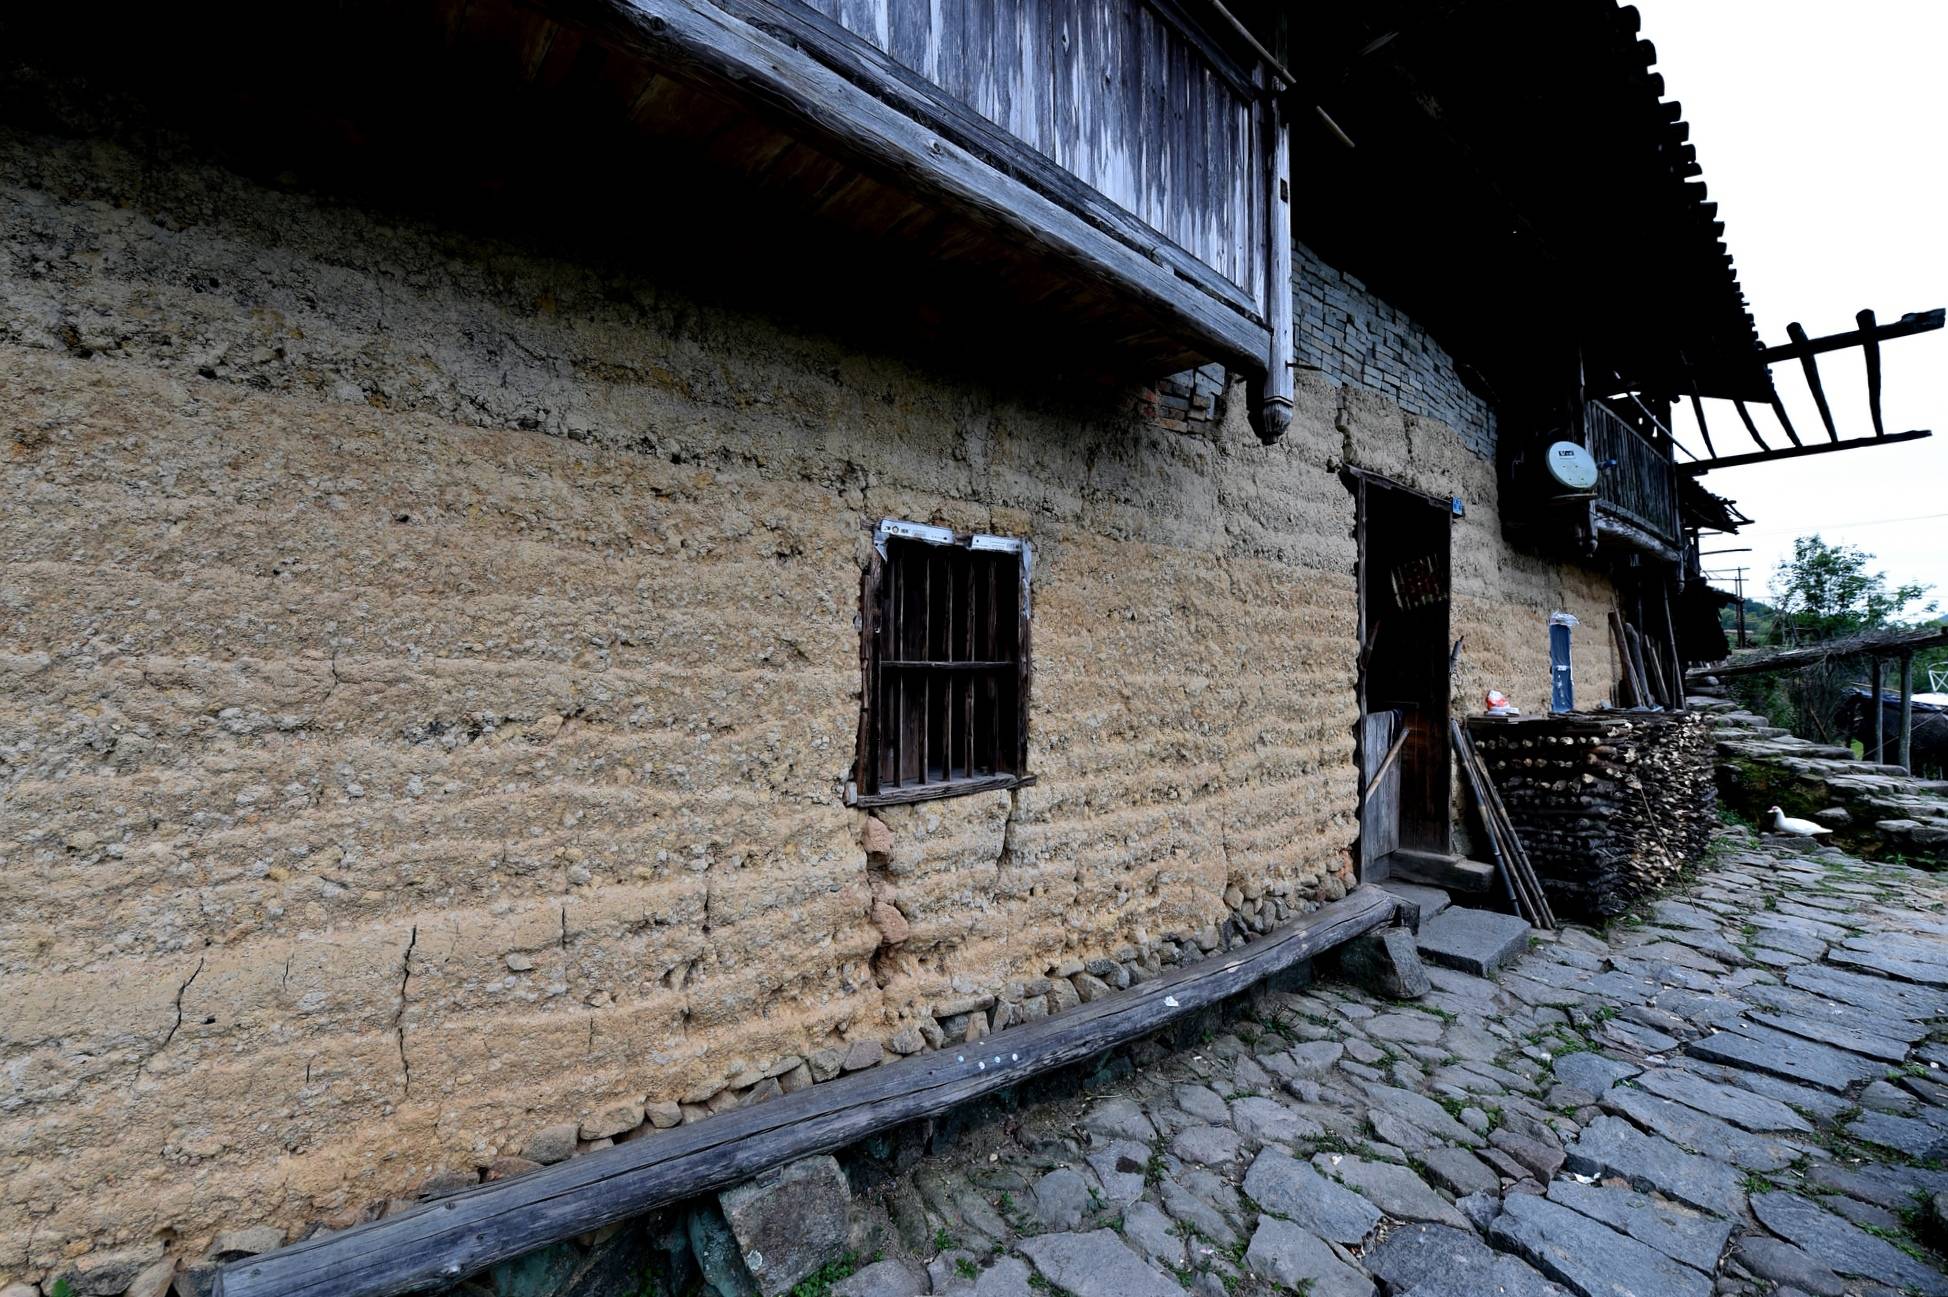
(944, 644)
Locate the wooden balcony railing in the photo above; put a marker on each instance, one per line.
(1637, 480)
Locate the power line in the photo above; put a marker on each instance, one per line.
(1803, 528)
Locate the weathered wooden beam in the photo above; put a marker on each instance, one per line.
(1880, 641)
(1793, 452)
(1274, 62)
(1614, 527)
(1906, 749)
(1880, 717)
(1912, 323)
(707, 45)
(1797, 333)
(436, 1244)
(1272, 411)
(1870, 352)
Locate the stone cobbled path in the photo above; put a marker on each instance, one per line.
(1735, 1091)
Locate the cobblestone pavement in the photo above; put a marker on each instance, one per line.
(1735, 1090)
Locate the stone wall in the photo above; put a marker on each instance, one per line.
(429, 670)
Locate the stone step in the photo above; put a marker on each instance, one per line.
(1431, 900)
(1433, 869)
(1473, 941)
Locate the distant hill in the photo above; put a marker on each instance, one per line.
(1758, 620)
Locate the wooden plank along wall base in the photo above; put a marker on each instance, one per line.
(441, 1242)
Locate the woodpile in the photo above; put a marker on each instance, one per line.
(1519, 881)
(1607, 807)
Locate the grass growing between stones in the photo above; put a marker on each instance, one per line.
(1901, 1239)
(819, 1284)
(1333, 1142)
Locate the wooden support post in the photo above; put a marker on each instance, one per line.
(1907, 711)
(1880, 718)
(1272, 410)
(1627, 695)
(1647, 693)
(1797, 333)
(1653, 664)
(1671, 650)
(1870, 352)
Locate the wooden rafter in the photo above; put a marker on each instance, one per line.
(1870, 352)
(1779, 412)
(1704, 429)
(1793, 452)
(1797, 332)
(1868, 337)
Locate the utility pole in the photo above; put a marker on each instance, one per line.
(1739, 578)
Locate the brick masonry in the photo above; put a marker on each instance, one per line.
(1355, 338)
(1351, 337)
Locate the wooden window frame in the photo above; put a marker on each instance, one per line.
(950, 668)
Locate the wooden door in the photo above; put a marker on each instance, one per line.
(1379, 797)
(1403, 673)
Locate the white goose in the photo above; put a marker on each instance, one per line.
(1783, 823)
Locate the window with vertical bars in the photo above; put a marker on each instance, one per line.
(945, 649)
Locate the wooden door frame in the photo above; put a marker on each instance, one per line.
(1361, 482)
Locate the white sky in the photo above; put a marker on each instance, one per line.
(1822, 128)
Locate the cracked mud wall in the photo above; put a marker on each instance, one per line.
(428, 670)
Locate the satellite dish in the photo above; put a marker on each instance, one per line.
(1571, 465)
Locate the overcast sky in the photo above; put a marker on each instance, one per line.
(1823, 132)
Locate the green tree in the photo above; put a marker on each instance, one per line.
(1825, 592)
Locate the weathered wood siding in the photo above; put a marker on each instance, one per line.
(1128, 96)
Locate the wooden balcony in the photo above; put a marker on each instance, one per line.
(1134, 147)
(1636, 483)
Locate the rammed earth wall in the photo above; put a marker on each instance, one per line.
(428, 672)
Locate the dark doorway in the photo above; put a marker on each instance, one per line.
(1403, 739)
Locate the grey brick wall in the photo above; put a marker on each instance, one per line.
(1345, 331)
(1192, 397)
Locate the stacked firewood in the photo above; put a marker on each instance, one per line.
(1607, 807)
